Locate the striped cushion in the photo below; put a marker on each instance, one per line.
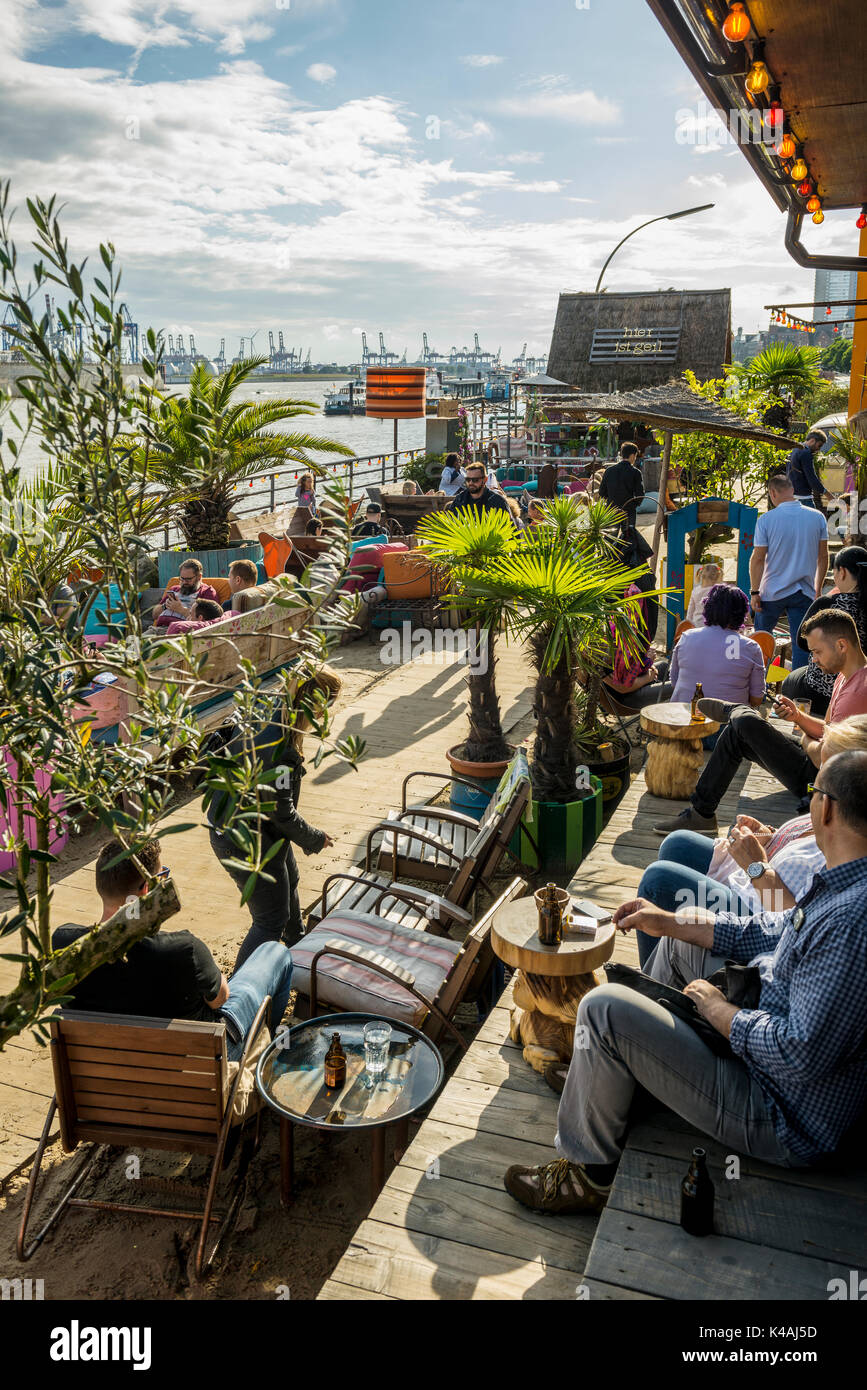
(345, 985)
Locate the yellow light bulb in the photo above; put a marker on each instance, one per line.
(798, 170)
(818, 217)
(758, 79)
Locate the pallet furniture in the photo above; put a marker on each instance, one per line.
(128, 1082)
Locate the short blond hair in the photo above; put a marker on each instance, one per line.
(849, 736)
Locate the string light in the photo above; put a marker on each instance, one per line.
(818, 217)
(805, 188)
(814, 204)
(786, 148)
(758, 79)
(799, 169)
(862, 220)
(775, 116)
(736, 25)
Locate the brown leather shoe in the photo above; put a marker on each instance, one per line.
(556, 1187)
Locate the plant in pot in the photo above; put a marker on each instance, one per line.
(561, 590)
(200, 446)
(460, 545)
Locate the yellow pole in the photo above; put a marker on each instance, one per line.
(857, 387)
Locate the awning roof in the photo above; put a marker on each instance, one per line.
(672, 407)
(817, 52)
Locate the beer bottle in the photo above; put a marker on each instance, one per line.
(696, 1197)
(699, 695)
(335, 1064)
(550, 918)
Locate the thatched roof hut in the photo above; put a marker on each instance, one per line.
(675, 407)
(620, 342)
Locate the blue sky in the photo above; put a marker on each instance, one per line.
(324, 166)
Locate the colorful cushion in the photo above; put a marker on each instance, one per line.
(368, 540)
(355, 988)
(407, 576)
(365, 565)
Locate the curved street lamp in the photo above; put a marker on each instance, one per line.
(664, 217)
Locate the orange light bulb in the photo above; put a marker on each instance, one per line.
(736, 25)
(814, 204)
(786, 148)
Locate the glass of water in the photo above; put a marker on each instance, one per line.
(377, 1036)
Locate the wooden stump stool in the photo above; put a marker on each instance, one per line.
(675, 756)
(551, 980)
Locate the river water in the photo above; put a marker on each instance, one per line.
(363, 435)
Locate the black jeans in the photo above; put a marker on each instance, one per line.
(748, 736)
(275, 907)
(795, 686)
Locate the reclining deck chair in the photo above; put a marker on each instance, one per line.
(360, 962)
(410, 906)
(123, 1081)
(437, 837)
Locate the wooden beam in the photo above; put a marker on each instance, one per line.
(663, 491)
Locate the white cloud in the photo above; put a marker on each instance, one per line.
(555, 104)
(478, 130)
(482, 60)
(525, 157)
(321, 72)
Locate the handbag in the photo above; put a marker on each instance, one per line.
(672, 999)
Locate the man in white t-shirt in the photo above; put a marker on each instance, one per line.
(788, 564)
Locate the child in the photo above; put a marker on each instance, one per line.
(409, 489)
(706, 577)
(305, 496)
(314, 527)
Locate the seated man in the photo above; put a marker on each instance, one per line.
(797, 1079)
(172, 974)
(205, 612)
(373, 525)
(477, 493)
(832, 639)
(243, 574)
(178, 602)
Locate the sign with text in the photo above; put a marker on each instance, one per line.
(643, 344)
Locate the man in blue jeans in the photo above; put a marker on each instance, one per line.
(172, 974)
(788, 564)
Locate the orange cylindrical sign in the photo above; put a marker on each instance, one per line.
(396, 393)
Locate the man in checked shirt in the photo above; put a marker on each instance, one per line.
(797, 1079)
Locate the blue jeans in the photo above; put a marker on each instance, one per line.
(795, 607)
(684, 859)
(268, 970)
(275, 907)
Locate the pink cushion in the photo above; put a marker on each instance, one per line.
(365, 565)
(353, 987)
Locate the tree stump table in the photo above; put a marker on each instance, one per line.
(551, 980)
(675, 755)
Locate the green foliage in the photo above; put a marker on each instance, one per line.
(424, 470)
(824, 399)
(781, 369)
(200, 446)
(91, 509)
(838, 355)
(853, 450)
(712, 465)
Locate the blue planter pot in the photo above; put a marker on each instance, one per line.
(471, 802)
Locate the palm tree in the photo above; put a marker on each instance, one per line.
(785, 371)
(561, 590)
(199, 446)
(461, 543)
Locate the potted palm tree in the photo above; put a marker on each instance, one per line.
(460, 544)
(200, 446)
(787, 372)
(561, 590)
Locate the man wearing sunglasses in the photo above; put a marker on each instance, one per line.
(477, 494)
(796, 1081)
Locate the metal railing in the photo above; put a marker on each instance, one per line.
(266, 491)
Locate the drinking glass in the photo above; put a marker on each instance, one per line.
(377, 1036)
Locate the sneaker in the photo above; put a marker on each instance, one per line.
(555, 1187)
(687, 820)
(555, 1074)
(720, 711)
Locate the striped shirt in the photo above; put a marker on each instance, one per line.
(806, 1043)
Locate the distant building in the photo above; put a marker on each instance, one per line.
(621, 342)
(835, 284)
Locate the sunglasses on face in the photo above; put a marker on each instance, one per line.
(813, 790)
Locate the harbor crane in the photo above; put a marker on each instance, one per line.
(130, 334)
(385, 357)
(220, 359)
(520, 362)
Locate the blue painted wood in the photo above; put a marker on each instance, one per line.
(740, 517)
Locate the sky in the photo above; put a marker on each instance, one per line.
(331, 166)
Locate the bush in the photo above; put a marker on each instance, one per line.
(824, 399)
(424, 471)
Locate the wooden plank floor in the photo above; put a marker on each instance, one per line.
(444, 1226)
(408, 715)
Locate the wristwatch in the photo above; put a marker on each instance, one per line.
(756, 869)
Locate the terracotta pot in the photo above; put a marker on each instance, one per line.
(467, 799)
(483, 772)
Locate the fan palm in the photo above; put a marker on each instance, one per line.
(461, 543)
(783, 370)
(561, 589)
(201, 445)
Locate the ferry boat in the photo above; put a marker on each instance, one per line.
(348, 399)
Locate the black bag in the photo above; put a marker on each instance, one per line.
(672, 999)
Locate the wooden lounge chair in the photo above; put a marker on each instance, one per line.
(437, 837)
(361, 962)
(123, 1081)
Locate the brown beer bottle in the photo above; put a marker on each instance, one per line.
(696, 1197)
(699, 695)
(550, 918)
(335, 1064)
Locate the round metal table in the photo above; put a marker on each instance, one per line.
(551, 980)
(290, 1078)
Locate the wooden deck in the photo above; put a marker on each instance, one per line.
(444, 1226)
(409, 715)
